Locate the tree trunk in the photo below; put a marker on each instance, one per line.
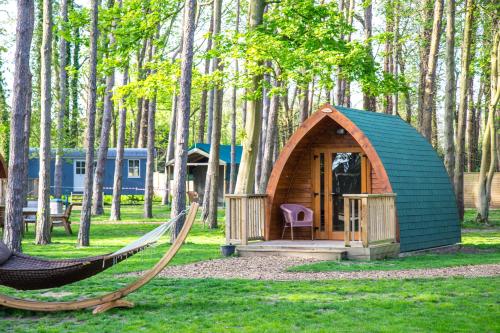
(269, 145)
(204, 93)
(120, 147)
(20, 101)
(63, 91)
(425, 37)
(212, 178)
(470, 153)
(148, 192)
(74, 126)
(140, 61)
(490, 144)
(180, 160)
(170, 147)
(102, 155)
(245, 181)
(26, 134)
(43, 225)
(462, 107)
(388, 53)
(450, 90)
(369, 101)
(304, 105)
(430, 76)
(84, 232)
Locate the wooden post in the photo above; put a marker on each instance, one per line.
(244, 220)
(347, 222)
(363, 217)
(228, 220)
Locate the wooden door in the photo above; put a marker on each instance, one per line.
(335, 172)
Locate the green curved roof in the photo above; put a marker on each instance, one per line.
(425, 202)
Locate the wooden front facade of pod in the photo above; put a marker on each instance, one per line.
(314, 169)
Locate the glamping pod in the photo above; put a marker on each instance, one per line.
(368, 178)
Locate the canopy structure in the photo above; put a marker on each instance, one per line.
(339, 151)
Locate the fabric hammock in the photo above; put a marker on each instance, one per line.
(23, 272)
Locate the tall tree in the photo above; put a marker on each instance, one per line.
(204, 93)
(180, 160)
(148, 192)
(369, 101)
(120, 145)
(232, 170)
(84, 232)
(43, 217)
(424, 47)
(63, 92)
(430, 75)
(170, 146)
(21, 93)
(246, 173)
(212, 179)
(490, 144)
(462, 106)
(449, 97)
(102, 155)
(269, 145)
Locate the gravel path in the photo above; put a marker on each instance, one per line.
(274, 268)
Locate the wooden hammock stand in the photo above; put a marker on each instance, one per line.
(113, 299)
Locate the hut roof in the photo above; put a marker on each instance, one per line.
(426, 206)
(224, 151)
(129, 153)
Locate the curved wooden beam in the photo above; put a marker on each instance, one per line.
(109, 300)
(325, 111)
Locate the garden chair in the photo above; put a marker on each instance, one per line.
(62, 220)
(297, 216)
(193, 196)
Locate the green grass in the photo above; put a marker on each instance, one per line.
(486, 244)
(470, 220)
(211, 305)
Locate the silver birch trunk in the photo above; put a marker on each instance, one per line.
(63, 93)
(84, 231)
(462, 107)
(148, 191)
(182, 137)
(490, 144)
(450, 98)
(170, 148)
(102, 155)
(212, 177)
(246, 174)
(20, 102)
(269, 146)
(120, 147)
(43, 225)
(204, 93)
(430, 76)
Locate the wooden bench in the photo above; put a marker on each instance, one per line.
(62, 220)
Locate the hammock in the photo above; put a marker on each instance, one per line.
(25, 272)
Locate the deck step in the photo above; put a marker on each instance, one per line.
(292, 251)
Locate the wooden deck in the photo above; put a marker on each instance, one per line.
(318, 249)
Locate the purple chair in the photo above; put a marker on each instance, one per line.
(297, 216)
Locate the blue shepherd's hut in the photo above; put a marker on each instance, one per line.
(134, 170)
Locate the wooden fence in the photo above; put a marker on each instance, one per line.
(245, 215)
(375, 215)
(470, 190)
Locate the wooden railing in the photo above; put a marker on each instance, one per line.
(244, 217)
(375, 216)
